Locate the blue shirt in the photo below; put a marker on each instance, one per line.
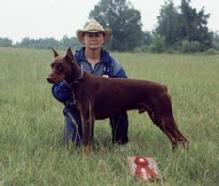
(106, 66)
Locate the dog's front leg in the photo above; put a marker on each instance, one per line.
(88, 128)
(87, 120)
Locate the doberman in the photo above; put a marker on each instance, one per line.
(99, 98)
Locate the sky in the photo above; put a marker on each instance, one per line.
(55, 18)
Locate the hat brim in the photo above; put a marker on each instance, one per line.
(107, 34)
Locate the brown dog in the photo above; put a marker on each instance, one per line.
(100, 98)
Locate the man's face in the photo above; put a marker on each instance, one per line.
(93, 40)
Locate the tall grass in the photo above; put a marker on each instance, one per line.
(31, 124)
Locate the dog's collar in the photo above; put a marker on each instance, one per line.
(80, 76)
(68, 84)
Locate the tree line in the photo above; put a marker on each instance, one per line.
(42, 43)
(182, 28)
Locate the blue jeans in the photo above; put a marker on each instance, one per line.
(73, 128)
(119, 126)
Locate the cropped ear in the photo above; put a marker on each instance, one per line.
(55, 53)
(69, 55)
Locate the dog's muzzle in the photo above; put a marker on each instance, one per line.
(49, 79)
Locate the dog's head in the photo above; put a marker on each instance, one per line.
(62, 67)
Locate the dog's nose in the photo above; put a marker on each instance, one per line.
(49, 80)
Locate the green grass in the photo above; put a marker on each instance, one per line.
(31, 124)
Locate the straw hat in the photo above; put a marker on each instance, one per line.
(93, 26)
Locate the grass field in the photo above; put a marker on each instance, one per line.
(31, 125)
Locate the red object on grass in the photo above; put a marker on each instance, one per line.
(144, 168)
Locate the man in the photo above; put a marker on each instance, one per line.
(95, 60)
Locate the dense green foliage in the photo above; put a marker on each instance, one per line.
(5, 42)
(216, 40)
(123, 19)
(31, 123)
(46, 43)
(184, 25)
(168, 24)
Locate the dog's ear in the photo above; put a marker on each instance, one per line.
(69, 55)
(55, 53)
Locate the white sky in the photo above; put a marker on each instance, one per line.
(56, 18)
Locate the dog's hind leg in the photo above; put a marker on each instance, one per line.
(163, 118)
(168, 126)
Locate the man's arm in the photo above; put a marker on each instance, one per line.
(62, 92)
(118, 71)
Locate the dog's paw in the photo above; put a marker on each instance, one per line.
(87, 150)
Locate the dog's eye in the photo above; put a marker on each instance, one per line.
(59, 67)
